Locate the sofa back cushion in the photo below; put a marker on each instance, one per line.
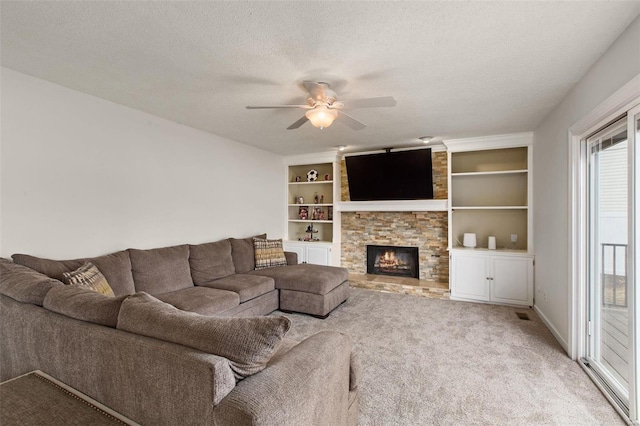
(116, 268)
(248, 343)
(211, 261)
(84, 304)
(161, 270)
(243, 254)
(24, 284)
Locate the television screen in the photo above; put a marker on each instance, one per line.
(401, 175)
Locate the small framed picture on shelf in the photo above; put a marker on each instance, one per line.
(303, 213)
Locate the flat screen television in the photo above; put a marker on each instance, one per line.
(400, 175)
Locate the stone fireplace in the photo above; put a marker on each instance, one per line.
(427, 231)
(424, 230)
(393, 260)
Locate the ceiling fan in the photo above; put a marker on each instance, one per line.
(323, 107)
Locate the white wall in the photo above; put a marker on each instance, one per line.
(82, 176)
(619, 64)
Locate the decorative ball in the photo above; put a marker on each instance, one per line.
(312, 175)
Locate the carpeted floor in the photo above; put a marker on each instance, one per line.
(436, 362)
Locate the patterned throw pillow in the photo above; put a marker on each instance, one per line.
(89, 276)
(269, 253)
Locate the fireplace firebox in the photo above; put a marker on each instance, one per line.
(393, 260)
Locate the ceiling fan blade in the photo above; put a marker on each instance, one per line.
(384, 101)
(298, 123)
(350, 121)
(278, 106)
(315, 90)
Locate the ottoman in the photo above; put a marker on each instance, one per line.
(309, 289)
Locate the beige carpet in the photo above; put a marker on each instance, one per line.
(436, 362)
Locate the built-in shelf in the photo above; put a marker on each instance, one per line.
(311, 183)
(497, 250)
(490, 197)
(317, 202)
(499, 172)
(490, 189)
(489, 207)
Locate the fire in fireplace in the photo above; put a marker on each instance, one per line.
(393, 260)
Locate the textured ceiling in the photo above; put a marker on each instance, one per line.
(456, 69)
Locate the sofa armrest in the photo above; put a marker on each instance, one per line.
(292, 257)
(309, 385)
(148, 380)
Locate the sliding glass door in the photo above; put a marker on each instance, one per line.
(611, 221)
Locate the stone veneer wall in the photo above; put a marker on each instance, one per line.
(439, 165)
(425, 230)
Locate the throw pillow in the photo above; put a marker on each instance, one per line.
(268, 253)
(248, 343)
(89, 277)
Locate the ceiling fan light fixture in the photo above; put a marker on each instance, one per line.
(321, 116)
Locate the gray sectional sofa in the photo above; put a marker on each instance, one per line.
(184, 340)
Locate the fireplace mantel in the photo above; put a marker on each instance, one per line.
(393, 206)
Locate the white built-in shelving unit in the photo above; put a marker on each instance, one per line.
(322, 245)
(490, 195)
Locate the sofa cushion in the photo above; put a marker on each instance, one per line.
(90, 277)
(116, 267)
(242, 252)
(210, 261)
(316, 279)
(248, 343)
(161, 270)
(247, 286)
(84, 304)
(268, 253)
(202, 300)
(24, 284)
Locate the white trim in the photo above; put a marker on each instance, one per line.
(512, 140)
(551, 328)
(433, 148)
(616, 104)
(392, 206)
(605, 393)
(324, 157)
(634, 261)
(620, 101)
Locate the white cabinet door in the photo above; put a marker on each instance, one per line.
(296, 248)
(512, 280)
(319, 255)
(316, 253)
(469, 277)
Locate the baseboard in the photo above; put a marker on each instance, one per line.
(553, 330)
